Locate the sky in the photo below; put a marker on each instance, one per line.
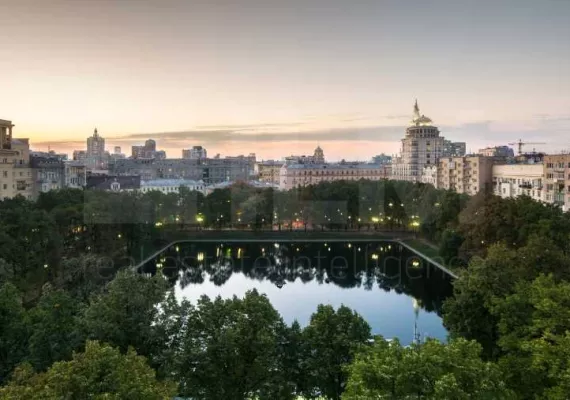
(281, 77)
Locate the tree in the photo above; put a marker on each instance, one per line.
(433, 370)
(101, 372)
(534, 323)
(54, 332)
(449, 246)
(13, 329)
(230, 349)
(333, 338)
(123, 316)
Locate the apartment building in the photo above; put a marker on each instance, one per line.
(75, 174)
(513, 180)
(469, 174)
(556, 169)
(48, 173)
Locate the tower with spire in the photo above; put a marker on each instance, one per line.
(422, 147)
(95, 156)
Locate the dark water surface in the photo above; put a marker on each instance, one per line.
(388, 285)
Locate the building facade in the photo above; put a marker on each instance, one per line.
(429, 175)
(6, 134)
(75, 174)
(557, 180)
(112, 183)
(268, 171)
(299, 175)
(454, 149)
(513, 180)
(469, 174)
(167, 186)
(421, 146)
(15, 171)
(147, 151)
(48, 173)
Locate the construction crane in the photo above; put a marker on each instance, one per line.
(520, 144)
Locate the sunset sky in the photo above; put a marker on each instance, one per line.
(280, 77)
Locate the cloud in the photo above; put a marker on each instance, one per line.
(377, 133)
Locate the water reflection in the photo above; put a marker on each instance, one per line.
(297, 276)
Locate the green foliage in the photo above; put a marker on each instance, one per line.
(14, 329)
(101, 372)
(53, 323)
(333, 338)
(432, 370)
(230, 349)
(123, 315)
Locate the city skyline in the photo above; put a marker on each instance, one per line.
(251, 76)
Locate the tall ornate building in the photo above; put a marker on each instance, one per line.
(422, 146)
(319, 156)
(95, 155)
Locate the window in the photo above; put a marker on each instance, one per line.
(5, 174)
(5, 187)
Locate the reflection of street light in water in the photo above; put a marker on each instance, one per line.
(416, 305)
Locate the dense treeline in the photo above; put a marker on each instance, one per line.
(65, 236)
(63, 306)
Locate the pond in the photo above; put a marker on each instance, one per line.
(397, 292)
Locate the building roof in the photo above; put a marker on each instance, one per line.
(170, 182)
(336, 166)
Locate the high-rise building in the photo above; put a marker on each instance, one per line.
(195, 153)
(454, 149)
(421, 146)
(95, 155)
(148, 150)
